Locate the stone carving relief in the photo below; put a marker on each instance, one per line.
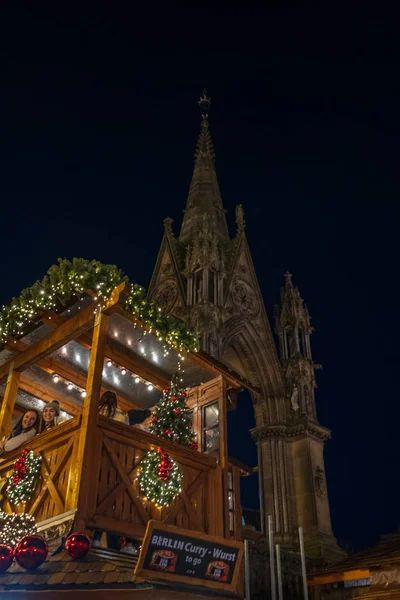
(167, 269)
(244, 298)
(294, 399)
(320, 483)
(166, 294)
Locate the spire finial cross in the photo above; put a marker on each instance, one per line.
(204, 103)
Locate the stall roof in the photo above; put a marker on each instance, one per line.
(138, 365)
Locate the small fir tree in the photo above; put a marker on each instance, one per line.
(171, 419)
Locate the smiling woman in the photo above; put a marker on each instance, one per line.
(49, 417)
(25, 429)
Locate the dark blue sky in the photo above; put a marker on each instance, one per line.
(98, 128)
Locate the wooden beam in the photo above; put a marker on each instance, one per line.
(57, 338)
(36, 390)
(18, 409)
(223, 452)
(69, 330)
(332, 577)
(124, 528)
(51, 366)
(86, 459)
(134, 362)
(213, 366)
(140, 366)
(8, 404)
(237, 505)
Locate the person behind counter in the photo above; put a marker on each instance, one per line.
(25, 429)
(50, 415)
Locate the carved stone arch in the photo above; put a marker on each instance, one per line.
(258, 354)
(244, 352)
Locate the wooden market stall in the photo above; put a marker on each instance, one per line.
(74, 353)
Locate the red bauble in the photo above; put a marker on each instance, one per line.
(193, 445)
(77, 545)
(31, 552)
(168, 431)
(165, 391)
(190, 425)
(154, 419)
(174, 398)
(177, 412)
(184, 394)
(160, 450)
(6, 557)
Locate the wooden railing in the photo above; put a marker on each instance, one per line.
(111, 495)
(117, 503)
(54, 490)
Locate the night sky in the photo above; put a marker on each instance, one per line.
(98, 128)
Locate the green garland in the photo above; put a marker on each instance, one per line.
(21, 482)
(69, 280)
(162, 492)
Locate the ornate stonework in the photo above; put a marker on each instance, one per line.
(244, 298)
(220, 298)
(166, 294)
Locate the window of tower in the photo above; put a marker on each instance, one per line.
(211, 428)
(212, 287)
(302, 345)
(197, 287)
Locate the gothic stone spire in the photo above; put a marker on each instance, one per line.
(204, 195)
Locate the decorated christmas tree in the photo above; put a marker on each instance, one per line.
(160, 477)
(171, 420)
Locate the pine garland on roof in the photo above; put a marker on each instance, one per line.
(69, 280)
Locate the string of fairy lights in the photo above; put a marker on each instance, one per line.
(71, 280)
(122, 370)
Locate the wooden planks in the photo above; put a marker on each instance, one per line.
(51, 365)
(8, 403)
(85, 465)
(133, 362)
(57, 338)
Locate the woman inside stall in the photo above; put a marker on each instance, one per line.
(25, 429)
(108, 407)
(50, 415)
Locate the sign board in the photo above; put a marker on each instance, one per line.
(178, 555)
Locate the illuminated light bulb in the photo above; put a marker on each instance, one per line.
(64, 350)
(109, 363)
(137, 379)
(142, 350)
(70, 386)
(42, 292)
(123, 371)
(129, 342)
(56, 378)
(150, 387)
(84, 394)
(115, 333)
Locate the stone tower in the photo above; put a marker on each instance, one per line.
(209, 281)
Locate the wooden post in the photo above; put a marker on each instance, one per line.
(8, 403)
(237, 506)
(87, 457)
(223, 452)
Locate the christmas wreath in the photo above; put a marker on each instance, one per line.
(21, 483)
(160, 477)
